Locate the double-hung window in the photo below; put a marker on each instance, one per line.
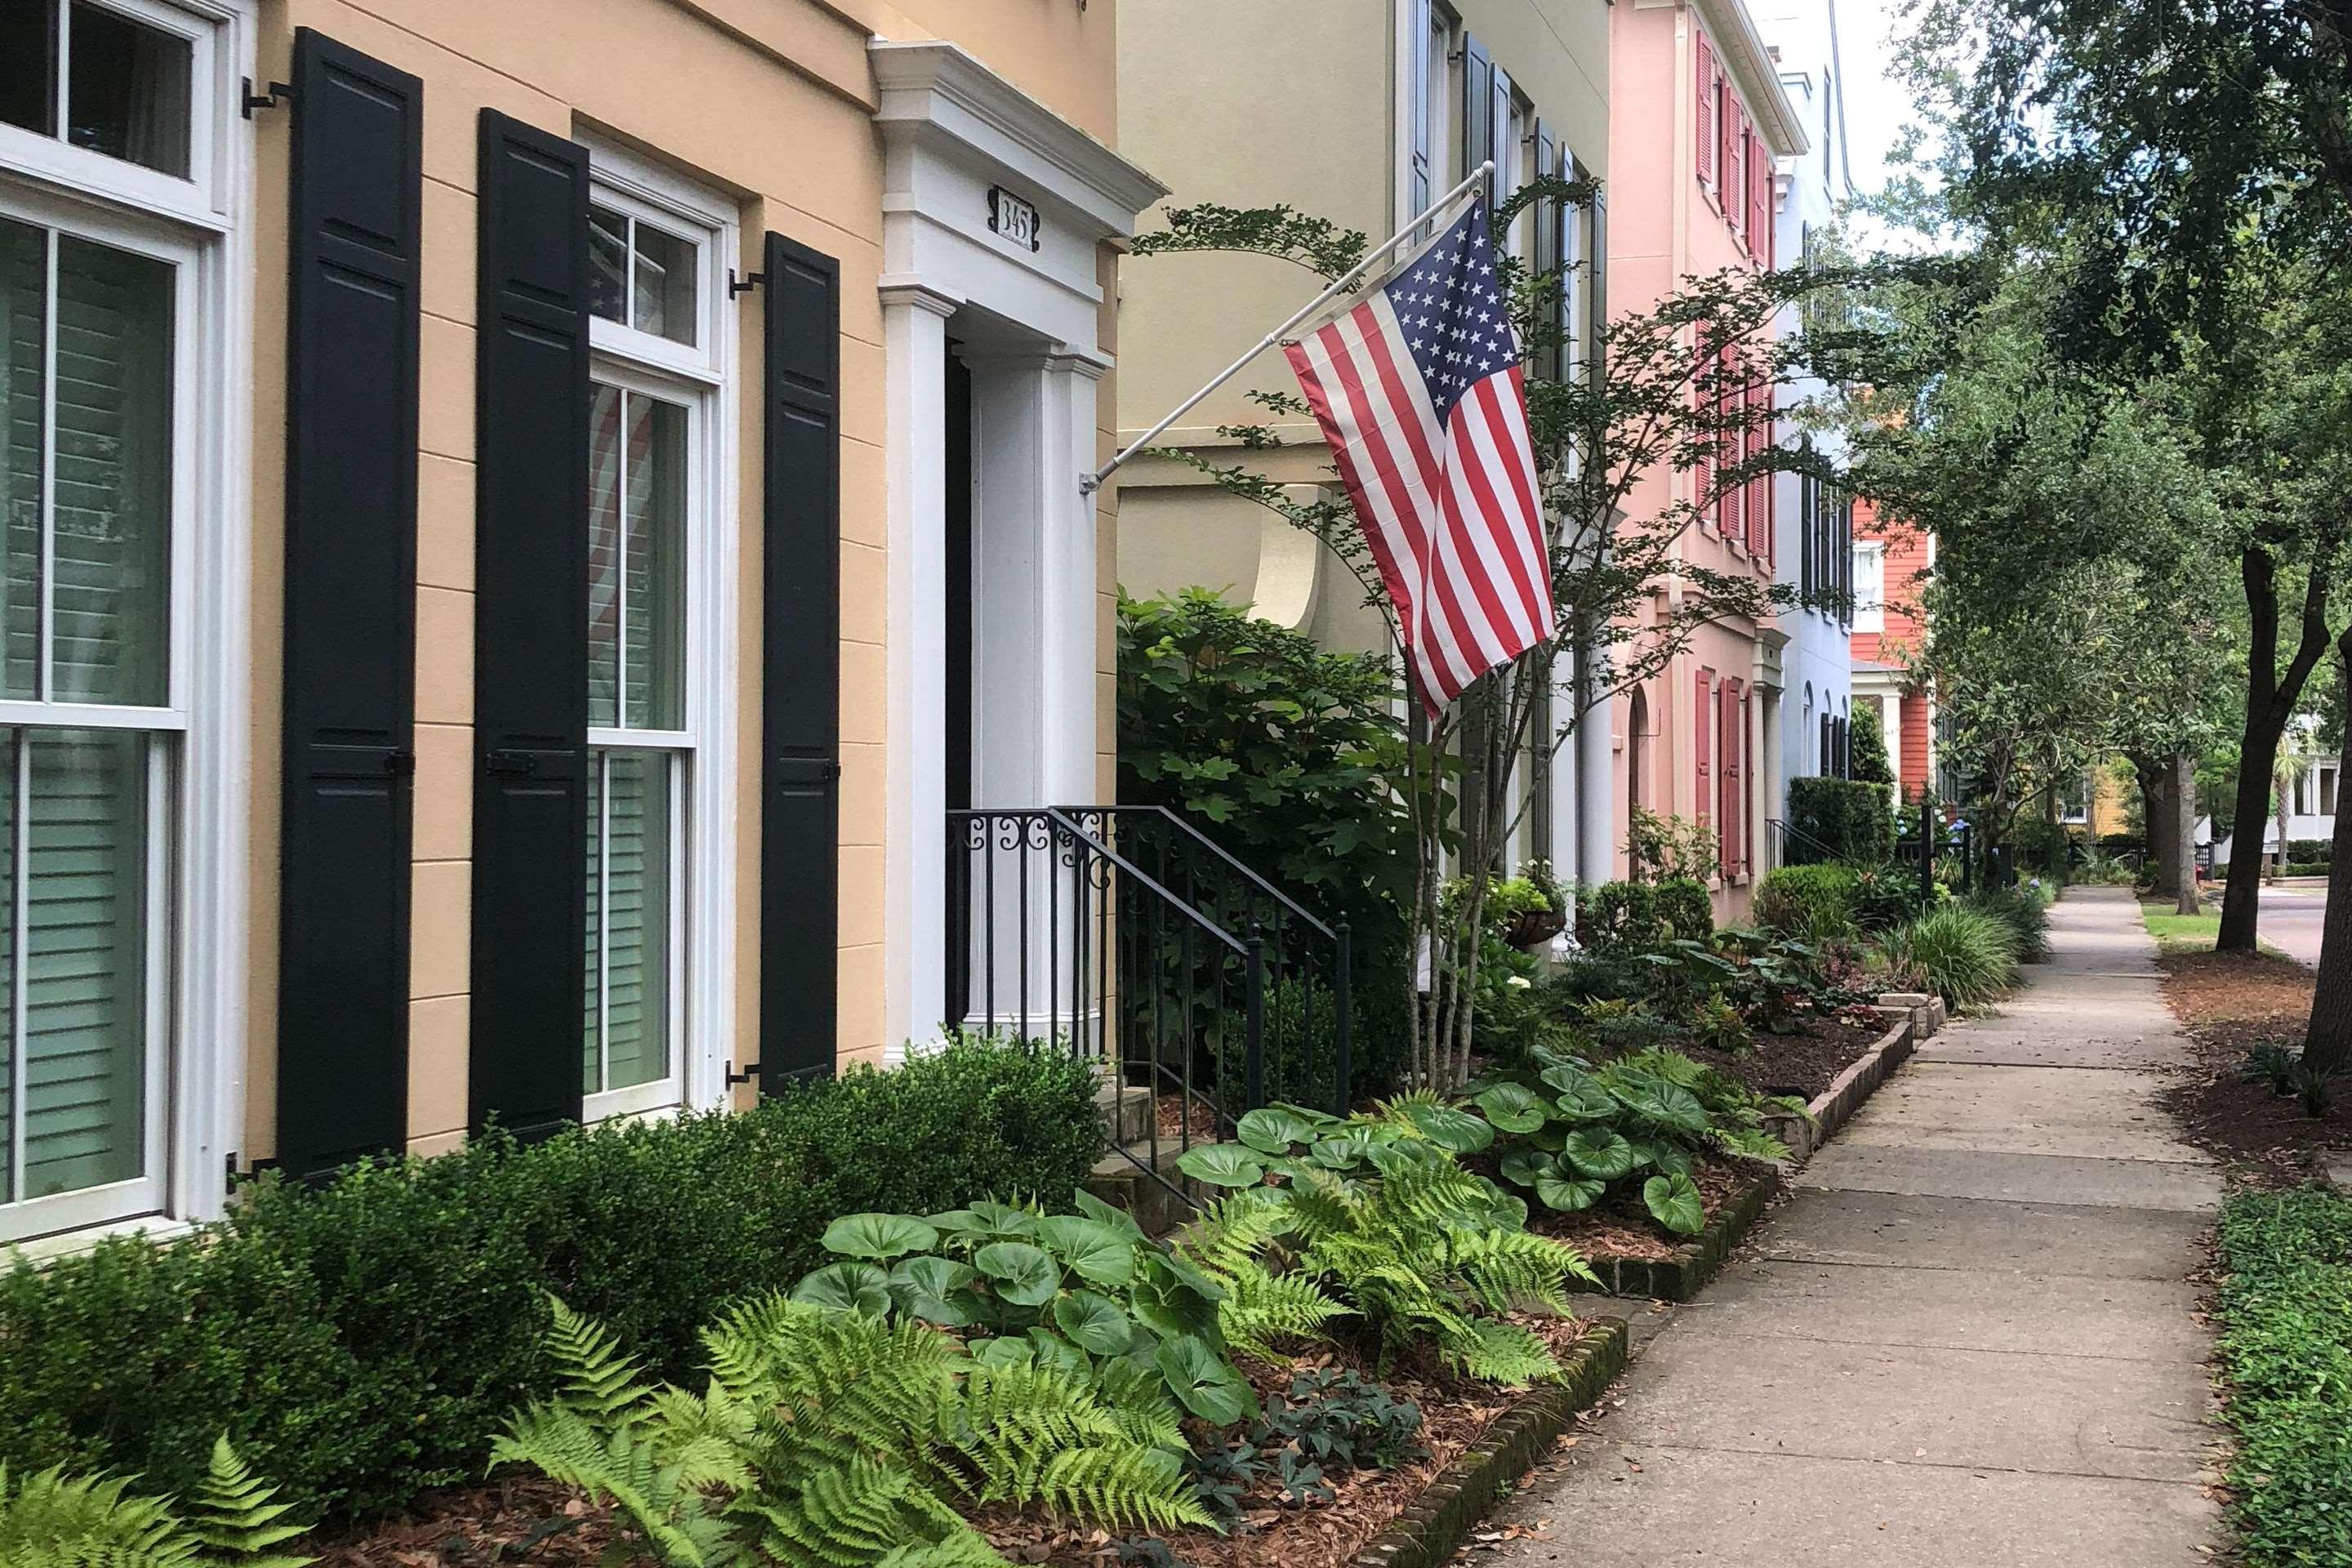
(659, 506)
(116, 360)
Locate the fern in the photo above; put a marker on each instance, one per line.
(1262, 1307)
(596, 1378)
(51, 1520)
(828, 1439)
(1426, 1255)
(1749, 1143)
(234, 1513)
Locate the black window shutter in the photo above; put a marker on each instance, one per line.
(800, 670)
(531, 630)
(350, 607)
(1479, 115)
(1550, 255)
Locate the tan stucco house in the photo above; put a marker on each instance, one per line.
(481, 482)
(1362, 113)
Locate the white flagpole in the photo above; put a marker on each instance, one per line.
(1089, 483)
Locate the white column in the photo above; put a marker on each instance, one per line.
(914, 351)
(1768, 854)
(1596, 835)
(1034, 594)
(1566, 849)
(1034, 657)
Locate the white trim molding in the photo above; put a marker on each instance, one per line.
(1022, 305)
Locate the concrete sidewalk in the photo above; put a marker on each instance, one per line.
(1965, 1343)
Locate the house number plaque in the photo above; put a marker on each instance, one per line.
(1013, 219)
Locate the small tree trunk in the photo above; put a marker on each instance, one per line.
(2241, 894)
(2327, 1038)
(2158, 802)
(2180, 825)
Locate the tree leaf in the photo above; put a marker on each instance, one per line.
(1026, 1276)
(1562, 1189)
(1092, 1249)
(1206, 1382)
(1051, 1349)
(1450, 1128)
(1094, 1321)
(936, 1290)
(1599, 1152)
(1523, 1165)
(848, 1287)
(1514, 1108)
(881, 1236)
(1272, 1130)
(1674, 1202)
(1663, 1155)
(1661, 1104)
(1223, 1164)
(1111, 1215)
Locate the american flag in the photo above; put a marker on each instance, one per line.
(1419, 392)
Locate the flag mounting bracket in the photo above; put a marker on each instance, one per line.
(1089, 483)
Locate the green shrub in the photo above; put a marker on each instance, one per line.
(1964, 954)
(2304, 868)
(1886, 895)
(1618, 918)
(1866, 747)
(1848, 818)
(2022, 910)
(1811, 902)
(2311, 851)
(359, 1341)
(1685, 909)
(2287, 1359)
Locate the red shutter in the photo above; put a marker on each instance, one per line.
(1735, 164)
(1702, 740)
(1759, 198)
(1735, 772)
(1705, 54)
(1733, 513)
(1759, 490)
(1728, 782)
(1703, 471)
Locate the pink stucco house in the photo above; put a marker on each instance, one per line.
(1697, 124)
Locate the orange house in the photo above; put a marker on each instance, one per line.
(1891, 562)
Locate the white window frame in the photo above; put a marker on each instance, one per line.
(703, 377)
(1425, 119)
(1869, 586)
(198, 787)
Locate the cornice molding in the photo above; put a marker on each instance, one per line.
(1759, 75)
(930, 84)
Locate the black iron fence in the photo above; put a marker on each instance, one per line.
(1123, 935)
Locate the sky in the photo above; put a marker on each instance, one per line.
(1877, 107)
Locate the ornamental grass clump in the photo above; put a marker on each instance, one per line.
(1966, 955)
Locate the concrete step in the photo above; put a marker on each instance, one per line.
(1120, 1179)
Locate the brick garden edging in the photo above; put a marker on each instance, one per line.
(1835, 1105)
(1681, 1275)
(1467, 1490)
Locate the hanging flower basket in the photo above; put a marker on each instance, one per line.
(1532, 929)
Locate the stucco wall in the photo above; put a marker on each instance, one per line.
(1663, 228)
(769, 101)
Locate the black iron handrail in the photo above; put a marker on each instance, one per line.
(1790, 832)
(1123, 935)
(1202, 841)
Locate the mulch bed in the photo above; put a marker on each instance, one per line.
(2229, 1003)
(536, 1523)
(1802, 1064)
(1620, 1225)
(1455, 1414)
